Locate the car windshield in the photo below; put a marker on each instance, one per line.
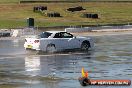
(44, 35)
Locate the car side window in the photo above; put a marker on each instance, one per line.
(57, 35)
(67, 35)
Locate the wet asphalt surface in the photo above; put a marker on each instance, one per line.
(111, 58)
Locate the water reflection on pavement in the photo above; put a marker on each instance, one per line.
(111, 59)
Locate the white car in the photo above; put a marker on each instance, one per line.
(52, 41)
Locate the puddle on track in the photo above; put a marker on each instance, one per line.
(110, 59)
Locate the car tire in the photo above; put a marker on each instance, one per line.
(51, 48)
(85, 46)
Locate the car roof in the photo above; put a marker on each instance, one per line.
(54, 31)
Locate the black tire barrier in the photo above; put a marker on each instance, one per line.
(94, 15)
(5, 34)
(54, 15)
(89, 15)
(78, 8)
(39, 8)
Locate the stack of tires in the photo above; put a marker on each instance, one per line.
(73, 9)
(53, 14)
(39, 8)
(89, 15)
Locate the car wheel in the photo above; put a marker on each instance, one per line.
(85, 46)
(51, 48)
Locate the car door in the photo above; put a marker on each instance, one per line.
(74, 43)
(60, 42)
(71, 42)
